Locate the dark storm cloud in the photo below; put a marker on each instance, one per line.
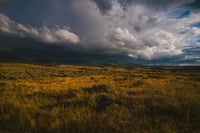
(103, 5)
(4, 2)
(28, 49)
(77, 15)
(106, 5)
(195, 4)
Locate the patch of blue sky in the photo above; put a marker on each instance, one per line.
(193, 43)
(191, 56)
(192, 53)
(180, 13)
(197, 24)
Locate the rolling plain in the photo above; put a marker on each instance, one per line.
(90, 99)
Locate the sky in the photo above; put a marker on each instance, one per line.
(144, 32)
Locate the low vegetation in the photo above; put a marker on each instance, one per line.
(81, 99)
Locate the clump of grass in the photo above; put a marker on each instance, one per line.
(102, 88)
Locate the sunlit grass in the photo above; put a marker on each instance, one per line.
(62, 98)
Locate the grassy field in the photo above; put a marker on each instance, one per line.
(81, 99)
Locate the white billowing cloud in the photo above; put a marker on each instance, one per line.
(57, 35)
(160, 44)
(183, 27)
(123, 37)
(45, 34)
(139, 31)
(154, 45)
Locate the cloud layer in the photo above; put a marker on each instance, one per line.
(141, 30)
(54, 35)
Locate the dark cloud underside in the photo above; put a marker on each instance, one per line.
(4, 2)
(28, 49)
(195, 4)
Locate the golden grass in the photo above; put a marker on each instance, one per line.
(71, 99)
